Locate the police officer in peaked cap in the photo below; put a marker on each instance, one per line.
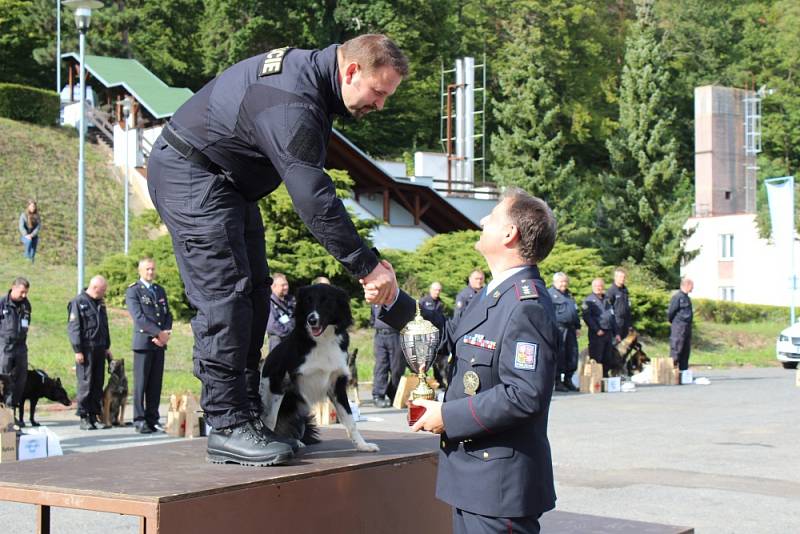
(262, 122)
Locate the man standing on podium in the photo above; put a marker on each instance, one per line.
(262, 122)
(495, 467)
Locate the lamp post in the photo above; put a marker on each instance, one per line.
(58, 49)
(126, 111)
(83, 15)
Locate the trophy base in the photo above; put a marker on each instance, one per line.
(414, 413)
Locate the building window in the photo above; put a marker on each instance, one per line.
(727, 293)
(726, 246)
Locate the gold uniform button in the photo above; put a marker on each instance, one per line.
(485, 454)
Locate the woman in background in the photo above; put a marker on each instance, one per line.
(29, 225)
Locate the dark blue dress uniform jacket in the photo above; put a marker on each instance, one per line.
(495, 455)
(150, 314)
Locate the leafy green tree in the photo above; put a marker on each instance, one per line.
(233, 30)
(23, 29)
(411, 117)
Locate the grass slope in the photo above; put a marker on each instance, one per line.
(41, 162)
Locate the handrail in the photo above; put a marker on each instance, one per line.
(100, 120)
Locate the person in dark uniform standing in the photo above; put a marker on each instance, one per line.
(152, 326)
(389, 360)
(87, 326)
(432, 302)
(495, 467)
(569, 325)
(598, 314)
(15, 318)
(434, 306)
(262, 122)
(465, 296)
(281, 310)
(618, 296)
(680, 315)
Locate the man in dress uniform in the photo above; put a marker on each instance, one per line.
(152, 325)
(281, 310)
(87, 326)
(473, 287)
(598, 314)
(569, 325)
(618, 296)
(680, 316)
(495, 467)
(260, 123)
(15, 318)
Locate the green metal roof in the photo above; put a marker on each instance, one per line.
(157, 97)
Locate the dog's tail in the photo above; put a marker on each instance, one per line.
(351, 358)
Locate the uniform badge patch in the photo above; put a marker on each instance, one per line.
(526, 290)
(525, 356)
(273, 63)
(72, 316)
(471, 382)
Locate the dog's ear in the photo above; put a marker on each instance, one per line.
(58, 381)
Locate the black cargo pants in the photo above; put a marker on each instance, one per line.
(90, 375)
(567, 361)
(389, 363)
(218, 238)
(680, 344)
(14, 362)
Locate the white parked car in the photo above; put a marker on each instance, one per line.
(787, 348)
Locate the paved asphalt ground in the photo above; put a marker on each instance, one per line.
(720, 458)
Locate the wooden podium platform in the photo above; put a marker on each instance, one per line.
(328, 488)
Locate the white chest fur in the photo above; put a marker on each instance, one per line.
(323, 366)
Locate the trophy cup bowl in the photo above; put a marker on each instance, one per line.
(420, 341)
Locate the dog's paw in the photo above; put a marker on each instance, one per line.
(367, 447)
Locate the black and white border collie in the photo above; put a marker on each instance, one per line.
(309, 366)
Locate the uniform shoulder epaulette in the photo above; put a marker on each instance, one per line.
(133, 284)
(273, 62)
(526, 289)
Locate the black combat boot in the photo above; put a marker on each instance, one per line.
(568, 383)
(560, 386)
(247, 443)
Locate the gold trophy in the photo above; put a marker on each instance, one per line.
(420, 341)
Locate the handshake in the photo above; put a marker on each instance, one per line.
(380, 285)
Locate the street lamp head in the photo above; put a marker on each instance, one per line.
(83, 11)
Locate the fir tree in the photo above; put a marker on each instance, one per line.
(647, 193)
(527, 148)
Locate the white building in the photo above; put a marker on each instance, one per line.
(733, 262)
